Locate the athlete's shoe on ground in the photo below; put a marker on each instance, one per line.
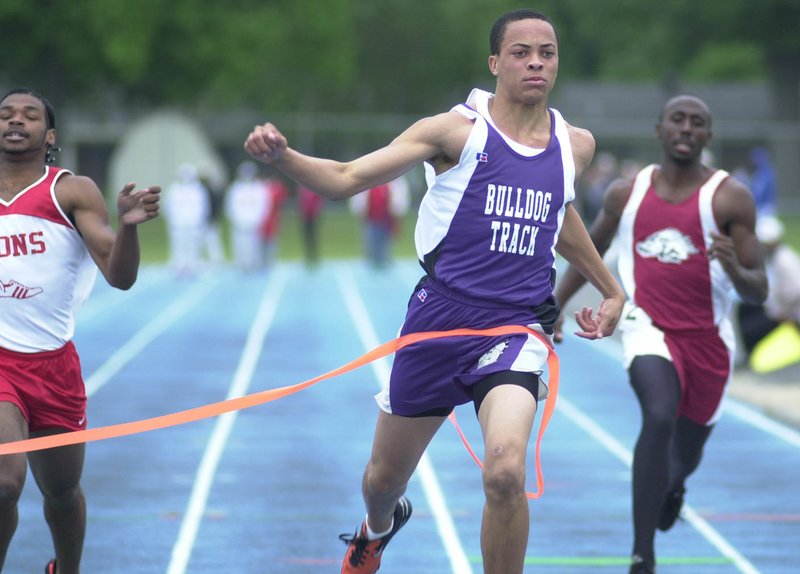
(671, 508)
(639, 566)
(364, 556)
(51, 567)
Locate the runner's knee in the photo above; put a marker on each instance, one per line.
(658, 420)
(382, 481)
(11, 484)
(60, 492)
(503, 473)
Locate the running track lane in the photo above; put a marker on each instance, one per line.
(280, 495)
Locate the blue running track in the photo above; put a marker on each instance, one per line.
(270, 488)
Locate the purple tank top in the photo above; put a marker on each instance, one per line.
(487, 228)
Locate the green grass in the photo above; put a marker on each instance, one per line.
(792, 224)
(340, 236)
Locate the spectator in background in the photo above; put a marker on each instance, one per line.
(270, 227)
(213, 236)
(247, 205)
(186, 209)
(629, 168)
(381, 208)
(602, 171)
(763, 183)
(783, 301)
(741, 173)
(309, 207)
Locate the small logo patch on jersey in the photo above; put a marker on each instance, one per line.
(422, 295)
(492, 355)
(482, 157)
(16, 290)
(668, 246)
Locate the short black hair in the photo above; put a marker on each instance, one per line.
(698, 100)
(48, 108)
(50, 116)
(499, 28)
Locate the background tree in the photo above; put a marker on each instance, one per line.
(373, 55)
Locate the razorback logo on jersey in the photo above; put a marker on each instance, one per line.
(492, 355)
(668, 246)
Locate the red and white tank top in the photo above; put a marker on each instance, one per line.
(46, 271)
(663, 262)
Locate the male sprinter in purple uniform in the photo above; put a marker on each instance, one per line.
(501, 174)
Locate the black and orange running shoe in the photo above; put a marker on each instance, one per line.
(363, 556)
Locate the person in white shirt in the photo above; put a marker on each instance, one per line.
(783, 271)
(247, 205)
(187, 209)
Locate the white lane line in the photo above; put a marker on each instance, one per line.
(147, 334)
(760, 421)
(459, 562)
(182, 550)
(567, 408)
(613, 348)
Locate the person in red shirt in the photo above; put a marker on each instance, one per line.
(309, 206)
(381, 208)
(270, 226)
(686, 238)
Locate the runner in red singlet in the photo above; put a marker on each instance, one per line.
(54, 235)
(686, 241)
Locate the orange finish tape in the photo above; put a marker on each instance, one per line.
(549, 408)
(247, 401)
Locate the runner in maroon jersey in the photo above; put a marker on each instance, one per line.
(686, 239)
